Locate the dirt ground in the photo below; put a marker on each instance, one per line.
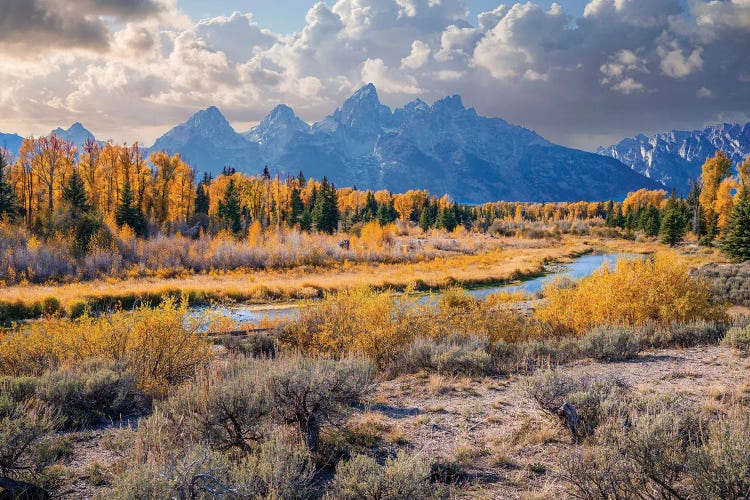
(506, 447)
(509, 447)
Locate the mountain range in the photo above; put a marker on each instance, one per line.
(443, 147)
(675, 158)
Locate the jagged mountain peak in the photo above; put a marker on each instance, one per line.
(209, 117)
(282, 116)
(450, 103)
(363, 109)
(208, 142)
(76, 134)
(277, 129)
(675, 158)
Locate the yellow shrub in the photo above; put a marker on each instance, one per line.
(374, 237)
(636, 291)
(503, 299)
(381, 326)
(358, 320)
(162, 346)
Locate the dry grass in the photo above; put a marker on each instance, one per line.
(497, 260)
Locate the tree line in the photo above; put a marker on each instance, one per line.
(52, 187)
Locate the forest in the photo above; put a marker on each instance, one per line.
(81, 201)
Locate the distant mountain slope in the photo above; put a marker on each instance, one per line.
(77, 134)
(675, 158)
(11, 142)
(445, 148)
(208, 142)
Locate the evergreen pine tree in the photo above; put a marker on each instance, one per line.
(266, 173)
(295, 207)
(610, 218)
(672, 222)
(74, 193)
(202, 199)
(325, 213)
(736, 241)
(425, 221)
(370, 210)
(386, 213)
(446, 219)
(650, 221)
(306, 221)
(8, 206)
(128, 213)
(229, 208)
(313, 198)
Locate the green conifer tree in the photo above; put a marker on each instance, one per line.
(128, 213)
(672, 222)
(296, 207)
(202, 199)
(650, 221)
(229, 208)
(74, 193)
(325, 213)
(305, 221)
(8, 207)
(425, 221)
(446, 219)
(736, 241)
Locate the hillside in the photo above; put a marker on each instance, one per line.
(675, 158)
(445, 148)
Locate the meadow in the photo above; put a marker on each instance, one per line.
(631, 382)
(375, 395)
(301, 266)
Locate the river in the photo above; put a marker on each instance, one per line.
(576, 269)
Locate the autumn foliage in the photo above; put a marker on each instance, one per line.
(162, 346)
(635, 292)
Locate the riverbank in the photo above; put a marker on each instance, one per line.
(514, 259)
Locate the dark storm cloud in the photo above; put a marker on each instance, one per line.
(621, 68)
(39, 24)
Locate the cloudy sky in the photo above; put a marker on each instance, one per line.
(582, 73)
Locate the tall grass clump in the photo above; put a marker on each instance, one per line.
(658, 289)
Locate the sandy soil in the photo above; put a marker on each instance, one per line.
(506, 446)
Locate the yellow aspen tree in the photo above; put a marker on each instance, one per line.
(404, 205)
(724, 201)
(714, 171)
(23, 179)
(51, 157)
(90, 169)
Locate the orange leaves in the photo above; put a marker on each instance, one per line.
(725, 201)
(714, 171)
(644, 198)
(162, 346)
(636, 291)
(374, 237)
